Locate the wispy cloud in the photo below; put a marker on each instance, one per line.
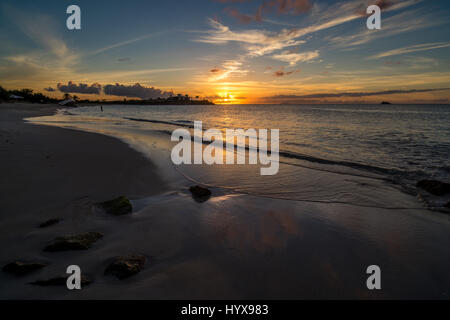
(414, 48)
(46, 56)
(397, 24)
(411, 62)
(229, 68)
(293, 58)
(261, 42)
(41, 30)
(127, 42)
(114, 75)
(257, 42)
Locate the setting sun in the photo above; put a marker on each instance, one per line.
(225, 98)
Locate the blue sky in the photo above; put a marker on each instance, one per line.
(231, 51)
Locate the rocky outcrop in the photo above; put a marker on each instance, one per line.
(125, 266)
(119, 206)
(49, 223)
(434, 187)
(20, 268)
(200, 194)
(81, 241)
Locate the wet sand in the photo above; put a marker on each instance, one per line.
(233, 246)
(49, 172)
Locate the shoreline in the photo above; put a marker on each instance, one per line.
(233, 246)
(97, 164)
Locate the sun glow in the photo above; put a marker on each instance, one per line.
(225, 97)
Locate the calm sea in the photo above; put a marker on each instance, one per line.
(396, 143)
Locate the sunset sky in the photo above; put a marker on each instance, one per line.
(232, 51)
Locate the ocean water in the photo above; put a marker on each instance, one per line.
(328, 153)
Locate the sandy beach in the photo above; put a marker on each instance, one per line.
(233, 246)
(48, 172)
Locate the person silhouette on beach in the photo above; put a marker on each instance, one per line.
(101, 108)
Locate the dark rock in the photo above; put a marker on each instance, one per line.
(117, 207)
(49, 223)
(60, 281)
(434, 187)
(200, 194)
(125, 266)
(81, 241)
(20, 268)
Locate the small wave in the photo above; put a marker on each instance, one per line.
(162, 122)
(354, 165)
(284, 196)
(402, 178)
(388, 174)
(183, 121)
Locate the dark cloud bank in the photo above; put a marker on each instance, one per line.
(136, 90)
(351, 94)
(71, 87)
(132, 91)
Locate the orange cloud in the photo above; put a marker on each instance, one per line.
(281, 72)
